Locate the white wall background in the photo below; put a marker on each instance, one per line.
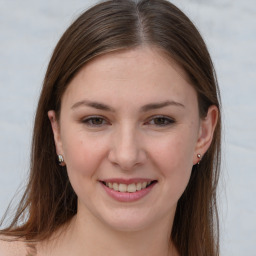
(29, 30)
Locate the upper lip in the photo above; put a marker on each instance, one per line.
(126, 181)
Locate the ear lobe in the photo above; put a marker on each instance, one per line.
(207, 127)
(56, 131)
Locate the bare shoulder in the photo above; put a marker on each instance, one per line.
(12, 248)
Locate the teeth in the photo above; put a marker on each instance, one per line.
(115, 186)
(131, 188)
(138, 186)
(122, 187)
(144, 184)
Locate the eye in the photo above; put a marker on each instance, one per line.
(95, 121)
(161, 121)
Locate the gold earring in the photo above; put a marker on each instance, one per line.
(200, 158)
(61, 160)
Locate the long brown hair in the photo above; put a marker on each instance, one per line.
(49, 200)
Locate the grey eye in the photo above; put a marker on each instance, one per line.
(161, 121)
(94, 121)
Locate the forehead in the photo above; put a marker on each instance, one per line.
(140, 74)
(144, 57)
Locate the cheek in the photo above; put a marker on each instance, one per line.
(83, 154)
(174, 159)
(174, 151)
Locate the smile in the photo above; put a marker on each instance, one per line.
(128, 188)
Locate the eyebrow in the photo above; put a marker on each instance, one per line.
(145, 108)
(158, 105)
(92, 104)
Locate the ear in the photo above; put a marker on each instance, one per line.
(56, 132)
(206, 131)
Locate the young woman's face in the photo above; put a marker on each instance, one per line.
(128, 120)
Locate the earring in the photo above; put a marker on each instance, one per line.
(200, 158)
(61, 160)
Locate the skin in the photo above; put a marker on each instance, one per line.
(127, 141)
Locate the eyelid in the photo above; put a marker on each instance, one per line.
(167, 121)
(87, 119)
(166, 118)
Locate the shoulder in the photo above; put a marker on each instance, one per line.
(10, 247)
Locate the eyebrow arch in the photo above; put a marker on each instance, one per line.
(145, 108)
(157, 105)
(93, 104)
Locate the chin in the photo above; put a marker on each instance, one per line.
(128, 225)
(129, 220)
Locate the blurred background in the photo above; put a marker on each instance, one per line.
(30, 29)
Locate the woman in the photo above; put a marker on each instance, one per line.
(126, 145)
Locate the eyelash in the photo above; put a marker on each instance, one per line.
(89, 121)
(165, 121)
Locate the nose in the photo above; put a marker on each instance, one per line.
(126, 149)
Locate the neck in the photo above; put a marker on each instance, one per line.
(98, 239)
(86, 235)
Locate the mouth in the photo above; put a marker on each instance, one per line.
(130, 187)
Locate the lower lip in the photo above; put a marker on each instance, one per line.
(126, 196)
